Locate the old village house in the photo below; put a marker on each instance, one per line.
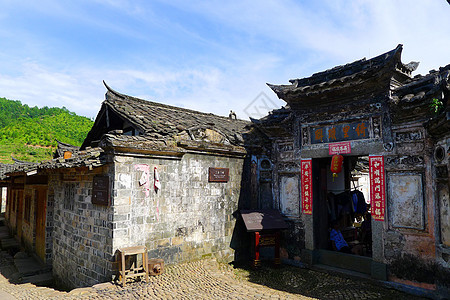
(391, 129)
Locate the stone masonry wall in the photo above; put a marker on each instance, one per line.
(82, 236)
(188, 218)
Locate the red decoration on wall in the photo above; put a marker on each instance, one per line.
(306, 185)
(377, 187)
(339, 148)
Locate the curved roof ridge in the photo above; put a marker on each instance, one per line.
(353, 67)
(66, 144)
(147, 102)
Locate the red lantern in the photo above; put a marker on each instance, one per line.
(336, 164)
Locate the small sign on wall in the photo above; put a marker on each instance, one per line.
(100, 190)
(339, 148)
(219, 175)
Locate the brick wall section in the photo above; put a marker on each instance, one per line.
(189, 218)
(82, 240)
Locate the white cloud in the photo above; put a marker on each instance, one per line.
(264, 41)
(82, 91)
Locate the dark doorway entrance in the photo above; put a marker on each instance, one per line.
(341, 200)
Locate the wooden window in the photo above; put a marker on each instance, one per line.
(69, 195)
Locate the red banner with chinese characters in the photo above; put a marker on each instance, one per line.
(377, 187)
(306, 185)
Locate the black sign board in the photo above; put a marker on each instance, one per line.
(340, 132)
(100, 190)
(219, 174)
(265, 219)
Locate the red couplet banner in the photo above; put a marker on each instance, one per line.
(306, 185)
(377, 187)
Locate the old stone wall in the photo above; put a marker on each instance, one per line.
(82, 235)
(49, 226)
(187, 218)
(410, 226)
(286, 186)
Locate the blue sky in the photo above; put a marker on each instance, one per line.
(211, 56)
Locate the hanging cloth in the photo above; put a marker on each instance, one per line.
(157, 183)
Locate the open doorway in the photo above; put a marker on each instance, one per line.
(342, 203)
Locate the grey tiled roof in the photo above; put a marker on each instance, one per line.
(63, 147)
(90, 158)
(344, 77)
(5, 168)
(413, 99)
(160, 121)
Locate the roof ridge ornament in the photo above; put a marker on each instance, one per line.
(113, 91)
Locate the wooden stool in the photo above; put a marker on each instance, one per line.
(133, 271)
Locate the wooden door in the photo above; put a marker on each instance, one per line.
(19, 213)
(41, 209)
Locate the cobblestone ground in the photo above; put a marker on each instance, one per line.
(207, 279)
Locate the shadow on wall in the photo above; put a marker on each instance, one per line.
(240, 240)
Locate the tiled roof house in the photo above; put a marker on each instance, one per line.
(133, 143)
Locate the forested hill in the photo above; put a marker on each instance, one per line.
(29, 133)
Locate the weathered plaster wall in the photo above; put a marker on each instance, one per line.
(188, 218)
(82, 235)
(411, 202)
(442, 175)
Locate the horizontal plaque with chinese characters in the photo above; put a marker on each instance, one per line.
(219, 174)
(340, 132)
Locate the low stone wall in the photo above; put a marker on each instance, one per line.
(188, 218)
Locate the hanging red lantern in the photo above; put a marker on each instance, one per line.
(336, 164)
